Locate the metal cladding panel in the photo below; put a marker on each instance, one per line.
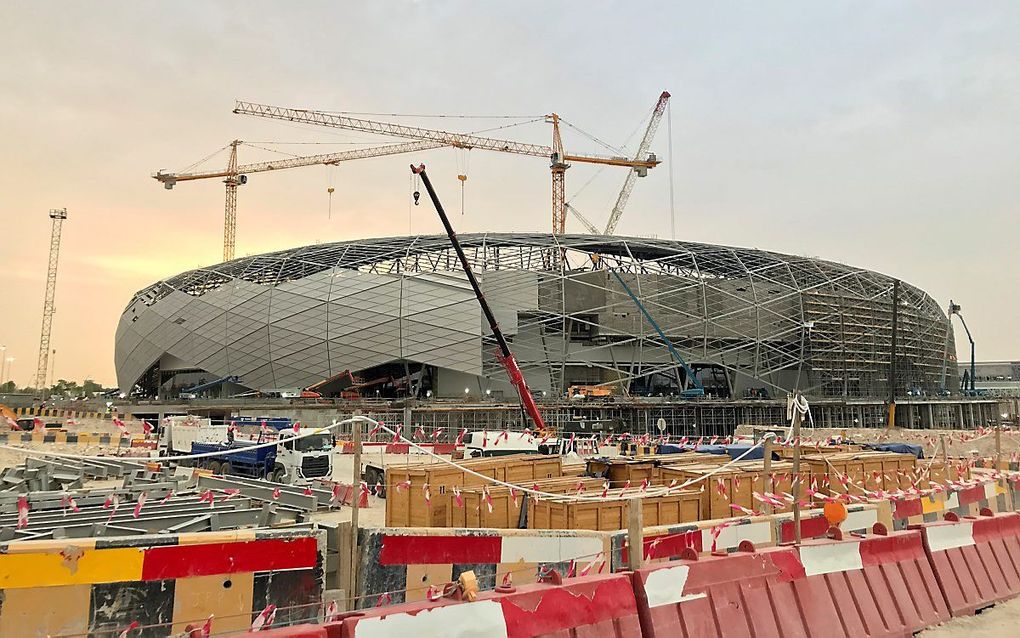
(768, 319)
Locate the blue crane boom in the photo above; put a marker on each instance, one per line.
(698, 390)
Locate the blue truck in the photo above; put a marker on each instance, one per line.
(295, 459)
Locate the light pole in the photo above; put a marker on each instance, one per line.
(10, 365)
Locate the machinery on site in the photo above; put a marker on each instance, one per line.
(486, 444)
(690, 386)
(237, 175)
(968, 380)
(298, 456)
(505, 356)
(559, 158)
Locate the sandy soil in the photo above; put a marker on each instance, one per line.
(999, 621)
(960, 443)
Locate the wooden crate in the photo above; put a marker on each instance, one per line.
(679, 507)
(506, 513)
(786, 452)
(739, 481)
(407, 507)
(871, 470)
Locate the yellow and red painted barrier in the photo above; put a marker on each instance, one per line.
(67, 437)
(162, 582)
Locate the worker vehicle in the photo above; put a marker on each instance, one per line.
(298, 457)
(485, 444)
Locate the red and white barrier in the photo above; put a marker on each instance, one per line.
(595, 606)
(879, 586)
(976, 560)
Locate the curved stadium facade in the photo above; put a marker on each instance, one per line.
(399, 312)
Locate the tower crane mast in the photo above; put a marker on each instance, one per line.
(237, 175)
(58, 215)
(628, 184)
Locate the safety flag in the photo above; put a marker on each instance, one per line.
(460, 438)
(332, 612)
(297, 427)
(427, 494)
(265, 618)
(114, 502)
(504, 435)
(513, 495)
(146, 427)
(396, 435)
(207, 496)
(487, 498)
(167, 497)
(276, 493)
(458, 499)
(229, 492)
(127, 631)
(23, 511)
(419, 433)
(140, 503)
(403, 485)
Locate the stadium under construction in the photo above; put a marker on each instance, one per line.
(392, 322)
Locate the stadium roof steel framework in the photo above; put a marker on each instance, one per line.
(770, 320)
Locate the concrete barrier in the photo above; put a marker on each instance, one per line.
(989, 494)
(409, 560)
(976, 561)
(101, 585)
(601, 605)
(881, 586)
(669, 542)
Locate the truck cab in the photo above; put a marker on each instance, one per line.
(307, 455)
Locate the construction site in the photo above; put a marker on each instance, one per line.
(462, 425)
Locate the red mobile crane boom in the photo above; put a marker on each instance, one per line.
(505, 356)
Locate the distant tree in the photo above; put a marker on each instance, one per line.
(9, 387)
(89, 387)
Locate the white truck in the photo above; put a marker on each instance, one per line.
(295, 459)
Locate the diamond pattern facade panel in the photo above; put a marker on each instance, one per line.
(746, 320)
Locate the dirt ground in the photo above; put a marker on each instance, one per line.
(960, 443)
(999, 621)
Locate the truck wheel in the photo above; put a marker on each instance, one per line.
(214, 466)
(278, 475)
(225, 468)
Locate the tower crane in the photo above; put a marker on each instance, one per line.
(628, 184)
(58, 215)
(235, 175)
(559, 159)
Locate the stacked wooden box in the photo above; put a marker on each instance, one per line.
(506, 507)
(677, 507)
(407, 507)
(739, 482)
(887, 471)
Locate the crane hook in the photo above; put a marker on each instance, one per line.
(417, 196)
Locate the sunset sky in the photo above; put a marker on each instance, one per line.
(883, 135)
